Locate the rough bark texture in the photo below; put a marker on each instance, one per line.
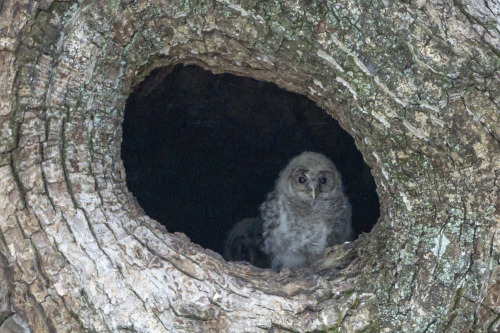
(416, 84)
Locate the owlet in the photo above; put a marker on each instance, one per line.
(306, 212)
(244, 243)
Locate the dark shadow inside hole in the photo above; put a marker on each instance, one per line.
(201, 151)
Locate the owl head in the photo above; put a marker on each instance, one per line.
(310, 176)
(244, 243)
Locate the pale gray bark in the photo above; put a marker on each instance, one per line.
(416, 84)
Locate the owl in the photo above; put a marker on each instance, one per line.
(244, 243)
(306, 212)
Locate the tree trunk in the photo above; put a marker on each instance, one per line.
(416, 83)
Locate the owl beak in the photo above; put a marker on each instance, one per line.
(314, 187)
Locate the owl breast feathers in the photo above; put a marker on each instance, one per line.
(306, 212)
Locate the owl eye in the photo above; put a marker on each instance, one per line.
(322, 180)
(302, 180)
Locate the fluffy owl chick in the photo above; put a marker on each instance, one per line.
(244, 243)
(306, 212)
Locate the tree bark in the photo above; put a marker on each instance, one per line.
(416, 83)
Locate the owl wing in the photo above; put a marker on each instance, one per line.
(270, 213)
(342, 230)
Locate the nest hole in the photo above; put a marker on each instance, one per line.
(201, 151)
